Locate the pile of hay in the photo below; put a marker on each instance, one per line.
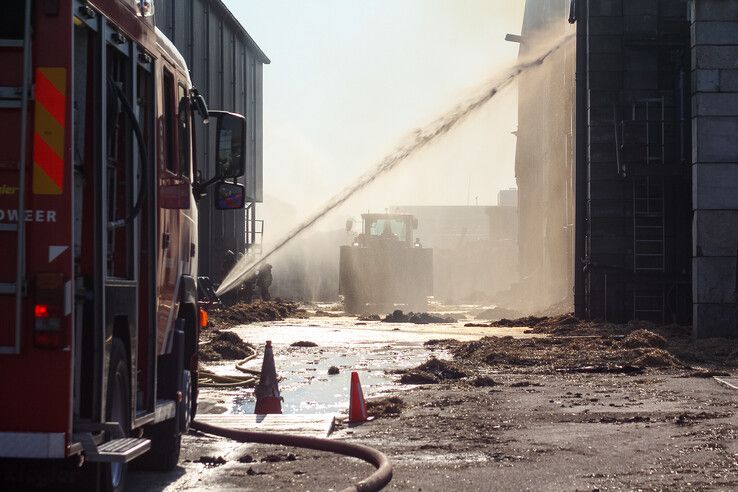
(643, 339)
(417, 318)
(390, 406)
(242, 313)
(224, 345)
(642, 348)
(433, 371)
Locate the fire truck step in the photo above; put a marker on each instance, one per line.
(121, 450)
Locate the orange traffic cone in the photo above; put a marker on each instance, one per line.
(267, 391)
(357, 404)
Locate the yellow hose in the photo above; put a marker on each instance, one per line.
(208, 379)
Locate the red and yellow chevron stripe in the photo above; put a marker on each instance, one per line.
(48, 139)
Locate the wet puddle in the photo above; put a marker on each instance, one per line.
(373, 349)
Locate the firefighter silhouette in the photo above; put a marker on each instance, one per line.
(264, 280)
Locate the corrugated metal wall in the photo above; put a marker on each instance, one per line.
(226, 66)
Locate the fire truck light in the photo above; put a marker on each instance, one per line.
(41, 311)
(203, 318)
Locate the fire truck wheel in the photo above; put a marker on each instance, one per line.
(185, 406)
(166, 442)
(113, 475)
(166, 437)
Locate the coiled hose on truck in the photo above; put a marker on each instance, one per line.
(375, 481)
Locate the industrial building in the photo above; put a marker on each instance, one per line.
(653, 169)
(226, 66)
(544, 160)
(474, 248)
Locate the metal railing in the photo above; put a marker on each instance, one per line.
(648, 142)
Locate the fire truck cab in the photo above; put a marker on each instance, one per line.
(98, 227)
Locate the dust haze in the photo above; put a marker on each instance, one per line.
(428, 176)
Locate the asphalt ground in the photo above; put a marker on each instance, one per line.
(653, 431)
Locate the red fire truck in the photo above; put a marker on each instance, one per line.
(98, 230)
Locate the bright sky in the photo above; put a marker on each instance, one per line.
(350, 78)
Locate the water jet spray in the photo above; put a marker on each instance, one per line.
(420, 139)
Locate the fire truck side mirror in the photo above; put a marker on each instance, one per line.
(229, 196)
(198, 102)
(230, 144)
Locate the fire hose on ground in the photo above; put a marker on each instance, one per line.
(376, 481)
(209, 379)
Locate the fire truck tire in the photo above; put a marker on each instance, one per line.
(166, 437)
(111, 477)
(185, 409)
(166, 441)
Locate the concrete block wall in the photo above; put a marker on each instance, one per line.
(714, 40)
(634, 49)
(607, 194)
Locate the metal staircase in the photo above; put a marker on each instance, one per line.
(13, 99)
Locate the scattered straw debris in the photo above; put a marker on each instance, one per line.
(484, 381)
(304, 344)
(325, 314)
(441, 343)
(433, 371)
(524, 384)
(443, 369)
(255, 312)
(413, 376)
(498, 313)
(390, 406)
(657, 358)
(417, 318)
(643, 338)
(224, 345)
(598, 346)
(570, 353)
(714, 353)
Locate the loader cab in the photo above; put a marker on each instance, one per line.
(385, 268)
(389, 227)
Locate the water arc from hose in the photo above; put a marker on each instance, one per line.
(418, 141)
